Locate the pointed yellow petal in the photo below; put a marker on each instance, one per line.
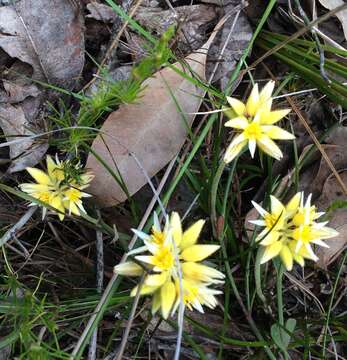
(299, 259)
(145, 290)
(156, 302)
(168, 295)
(199, 272)
(275, 132)
(57, 203)
(198, 252)
(287, 257)
(237, 123)
(176, 228)
(30, 188)
(271, 252)
(156, 280)
(273, 117)
(51, 165)
(238, 106)
(253, 102)
(277, 207)
(191, 235)
(266, 91)
(268, 237)
(128, 268)
(39, 176)
(234, 150)
(269, 147)
(294, 203)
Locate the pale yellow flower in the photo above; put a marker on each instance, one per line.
(255, 124)
(164, 248)
(57, 188)
(290, 230)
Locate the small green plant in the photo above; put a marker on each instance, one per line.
(82, 128)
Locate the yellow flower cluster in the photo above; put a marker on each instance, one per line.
(171, 252)
(255, 123)
(290, 230)
(60, 188)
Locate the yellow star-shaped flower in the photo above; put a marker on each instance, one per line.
(255, 124)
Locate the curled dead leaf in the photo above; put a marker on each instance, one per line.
(153, 129)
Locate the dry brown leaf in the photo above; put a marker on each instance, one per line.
(46, 35)
(153, 129)
(332, 192)
(101, 12)
(26, 150)
(47, 39)
(341, 15)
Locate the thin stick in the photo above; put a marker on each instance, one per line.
(99, 286)
(20, 223)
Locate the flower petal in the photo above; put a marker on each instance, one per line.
(191, 235)
(252, 144)
(277, 207)
(233, 150)
(273, 117)
(168, 295)
(156, 302)
(238, 106)
(287, 257)
(198, 272)
(253, 102)
(271, 251)
(156, 279)
(269, 147)
(39, 176)
(266, 91)
(145, 290)
(128, 268)
(237, 123)
(198, 252)
(294, 203)
(275, 132)
(260, 210)
(176, 228)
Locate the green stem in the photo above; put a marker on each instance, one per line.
(239, 300)
(279, 283)
(214, 192)
(280, 273)
(257, 276)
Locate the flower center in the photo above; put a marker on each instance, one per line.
(158, 237)
(304, 234)
(253, 131)
(164, 258)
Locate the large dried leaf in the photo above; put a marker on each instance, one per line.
(47, 39)
(153, 129)
(331, 195)
(47, 35)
